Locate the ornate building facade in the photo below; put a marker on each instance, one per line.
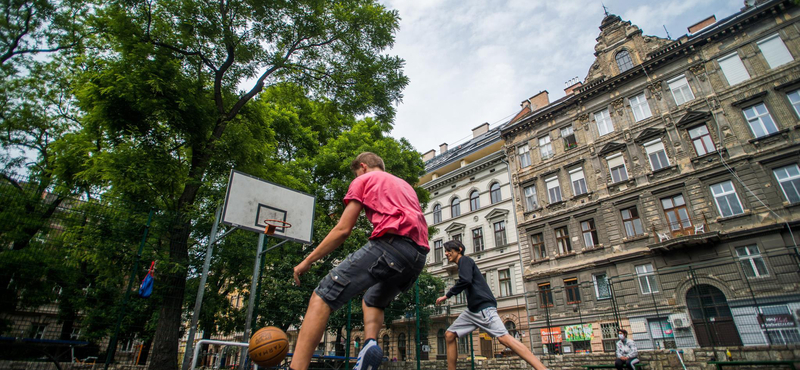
(662, 193)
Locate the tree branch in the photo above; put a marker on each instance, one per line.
(178, 50)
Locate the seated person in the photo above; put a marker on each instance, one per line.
(626, 352)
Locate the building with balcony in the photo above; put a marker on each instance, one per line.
(662, 193)
(471, 201)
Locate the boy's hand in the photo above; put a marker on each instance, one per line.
(300, 269)
(441, 299)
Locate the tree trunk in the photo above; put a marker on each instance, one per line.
(173, 287)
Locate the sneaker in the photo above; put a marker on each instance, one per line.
(369, 358)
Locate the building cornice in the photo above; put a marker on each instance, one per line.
(468, 170)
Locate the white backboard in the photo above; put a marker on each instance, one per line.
(250, 200)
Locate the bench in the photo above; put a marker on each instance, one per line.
(772, 363)
(639, 366)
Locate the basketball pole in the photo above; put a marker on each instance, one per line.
(212, 239)
(251, 301)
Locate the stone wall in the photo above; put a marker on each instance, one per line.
(694, 359)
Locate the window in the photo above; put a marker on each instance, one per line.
(624, 61)
(386, 340)
(573, 291)
(681, 91)
(553, 190)
(477, 239)
(463, 344)
(537, 244)
(657, 154)
(562, 240)
(504, 276)
(401, 346)
(438, 250)
(760, 120)
(461, 298)
(37, 331)
(456, 237)
(500, 234)
(569, 138)
(437, 214)
(441, 343)
(751, 261)
(474, 200)
(647, 279)
(494, 190)
(604, 124)
(455, 208)
(701, 140)
(609, 331)
(512, 329)
(727, 201)
(545, 147)
(789, 178)
(640, 108)
(661, 332)
(578, 182)
(794, 98)
(545, 295)
(775, 51)
(530, 198)
(616, 165)
(783, 336)
(677, 214)
(631, 221)
(733, 69)
(357, 343)
(589, 233)
(524, 154)
(601, 287)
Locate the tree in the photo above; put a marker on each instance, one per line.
(160, 103)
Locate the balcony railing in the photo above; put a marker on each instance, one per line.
(681, 228)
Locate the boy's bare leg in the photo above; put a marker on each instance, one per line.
(452, 351)
(373, 320)
(314, 322)
(522, 351)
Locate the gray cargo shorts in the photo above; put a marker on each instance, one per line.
(486, 319)
(385, 267)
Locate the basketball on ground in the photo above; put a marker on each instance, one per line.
(268, 346)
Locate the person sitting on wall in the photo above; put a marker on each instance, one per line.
(627, 354)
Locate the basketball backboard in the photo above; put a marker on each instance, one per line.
(250, 200)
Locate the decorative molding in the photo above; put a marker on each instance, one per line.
(698, 70)
(617, 106)
(655, 89)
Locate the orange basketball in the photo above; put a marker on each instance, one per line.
(268, 346)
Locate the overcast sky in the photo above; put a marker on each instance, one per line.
(474, 61)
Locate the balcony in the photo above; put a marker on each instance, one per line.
(683, 233)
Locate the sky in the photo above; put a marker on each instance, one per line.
(474, 61)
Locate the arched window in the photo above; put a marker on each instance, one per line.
(624, 61)
(441, 344)
(437, 214)
(474, 201)
(495, 191)
(358, 344)
(401, 346)
(455, 208)
(386, 348)
(512, 329)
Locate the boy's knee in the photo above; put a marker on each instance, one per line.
(450, 336)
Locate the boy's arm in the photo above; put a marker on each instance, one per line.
(333, 240)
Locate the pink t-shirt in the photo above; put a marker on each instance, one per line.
(391, 205)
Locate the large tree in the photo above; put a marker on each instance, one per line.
(164, 94)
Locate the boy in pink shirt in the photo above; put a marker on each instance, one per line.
(386, 266)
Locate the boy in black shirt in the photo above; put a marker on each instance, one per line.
(481, 309)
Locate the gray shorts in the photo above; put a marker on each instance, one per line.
(487, 319)
(384, 267)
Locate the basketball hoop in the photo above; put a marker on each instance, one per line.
(274, 224)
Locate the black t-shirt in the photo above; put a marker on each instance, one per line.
(479, 296)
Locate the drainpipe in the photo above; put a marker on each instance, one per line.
(519, 251)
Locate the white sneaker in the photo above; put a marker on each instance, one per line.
(369, 358)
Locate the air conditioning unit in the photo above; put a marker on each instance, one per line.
(679, 320)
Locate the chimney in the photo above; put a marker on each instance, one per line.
(540, 100)
(428, 155)
(442, 148)
(702, 24)
(480, 130)
(572, 85)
